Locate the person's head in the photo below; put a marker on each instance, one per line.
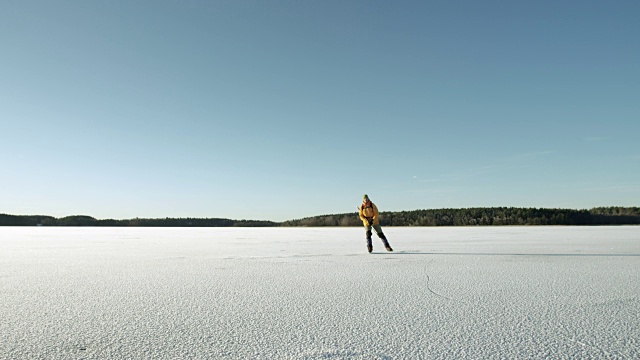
(365, 197)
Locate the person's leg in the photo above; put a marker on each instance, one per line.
(378, 229)
(369, 245)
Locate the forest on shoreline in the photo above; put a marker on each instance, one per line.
(494, 216)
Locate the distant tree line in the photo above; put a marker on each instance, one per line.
(484, 217)
(436, 217)
(83, 220)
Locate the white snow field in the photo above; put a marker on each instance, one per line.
(315, 293)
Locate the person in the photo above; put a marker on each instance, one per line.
(369, 216)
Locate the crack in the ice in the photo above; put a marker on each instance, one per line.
(433, 292)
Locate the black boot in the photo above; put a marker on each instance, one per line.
(369, 245)
(385, 242)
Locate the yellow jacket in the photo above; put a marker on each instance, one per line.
(369, 212)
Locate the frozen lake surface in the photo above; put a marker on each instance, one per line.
(315, 293)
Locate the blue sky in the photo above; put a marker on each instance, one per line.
(279, 110)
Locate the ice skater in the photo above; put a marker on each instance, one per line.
(369, 216)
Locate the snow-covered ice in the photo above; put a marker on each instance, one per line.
(315, 293)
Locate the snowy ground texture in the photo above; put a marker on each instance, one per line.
(315, 293)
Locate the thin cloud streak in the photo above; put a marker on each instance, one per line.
(511, 162)
(629, 187)
(596, 139)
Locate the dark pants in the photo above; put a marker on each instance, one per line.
(379, 232)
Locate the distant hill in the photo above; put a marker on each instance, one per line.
(83, 220)
(23, 220)
(484, 217)
(435, 217)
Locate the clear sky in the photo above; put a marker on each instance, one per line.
(280, 110)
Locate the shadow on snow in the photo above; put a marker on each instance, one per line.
(501, 254)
